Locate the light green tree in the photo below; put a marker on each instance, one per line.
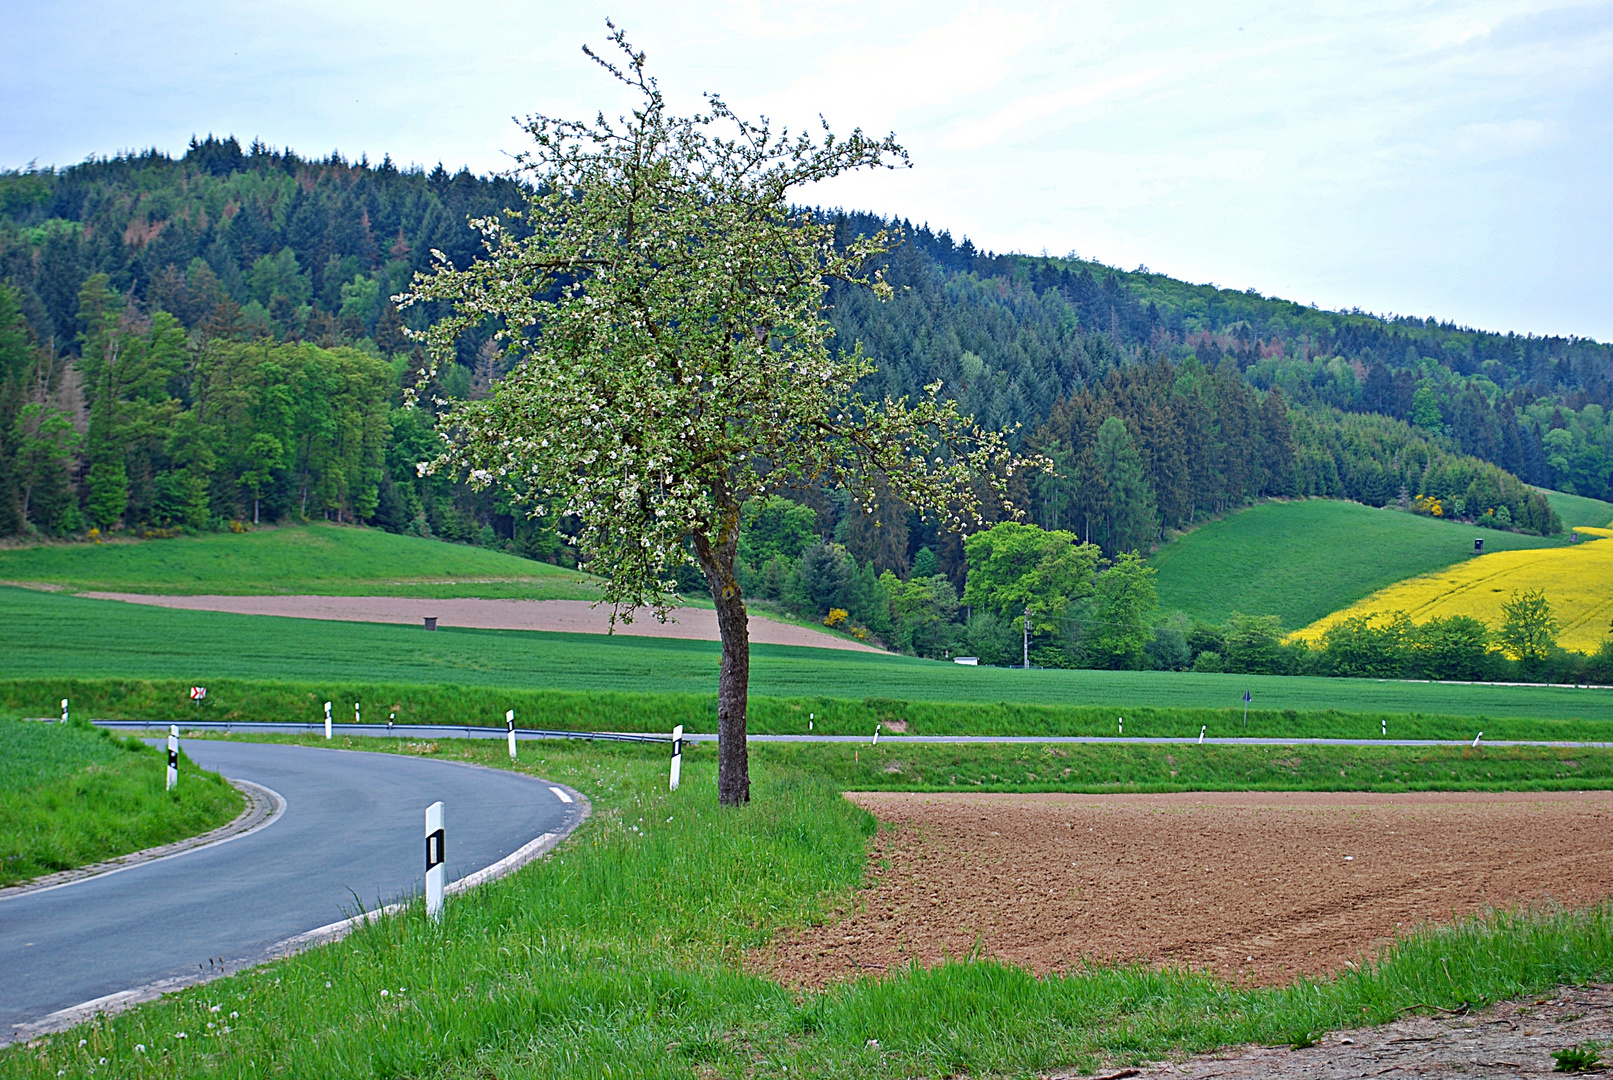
(1015, 567)
(1528, 628)
(263, 456)
(1123, 599)
(663, 303)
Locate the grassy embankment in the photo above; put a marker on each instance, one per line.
(1301, 560)
(319, 559)
(71, 795)
(1579, 510)
(238, 701)
(621, 956)
(54, 639)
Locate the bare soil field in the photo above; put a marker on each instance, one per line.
(565, 616)
(1256, 887)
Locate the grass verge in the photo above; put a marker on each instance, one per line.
(71, 795)
(53, 637)
(568, 710)
(1143, 768)
(619, 956)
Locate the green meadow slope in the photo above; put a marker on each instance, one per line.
(1578, 510)
(1302, 560)
(322, 559)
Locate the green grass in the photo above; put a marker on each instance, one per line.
(1302, 560)
(64, 637)
(320, 559)
(238, 701)
(620, 956)
(1579, 510)
(71, 795)
(1142, 768)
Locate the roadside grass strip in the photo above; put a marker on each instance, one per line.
(72, 794)
(621, 955)
(1577, 581)
(1589, 713)
(1145, 769)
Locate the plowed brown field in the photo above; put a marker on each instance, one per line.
(563, 616)
(1256, 887)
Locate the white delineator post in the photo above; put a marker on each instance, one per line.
(356, 719)
(509, 723)
(1202, 729)
(1385, 723)
(436, 872)
(1122, 720)
(64, 710)
(1477, 737)
(173, 757)
(327, 719)
(677, 756)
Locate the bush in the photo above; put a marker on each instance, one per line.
(1457, 647)
(1169, 651)
(1369, 647)
(1253, 645)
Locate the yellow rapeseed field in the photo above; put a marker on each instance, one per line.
(1577, 581)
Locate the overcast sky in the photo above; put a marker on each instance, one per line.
(1449, 159)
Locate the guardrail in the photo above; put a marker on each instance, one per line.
(426, 731)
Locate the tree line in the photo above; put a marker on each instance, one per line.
(1159, 402)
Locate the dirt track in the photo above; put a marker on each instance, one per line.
(566, 616)
(1256, 887)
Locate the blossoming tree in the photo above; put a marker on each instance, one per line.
(663, 303)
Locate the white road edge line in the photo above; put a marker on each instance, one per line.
(560, 794)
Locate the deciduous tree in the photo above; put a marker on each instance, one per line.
(663, 304)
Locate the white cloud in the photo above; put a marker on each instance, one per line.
(1432, 155)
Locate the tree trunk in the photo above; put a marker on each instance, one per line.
(733, 680)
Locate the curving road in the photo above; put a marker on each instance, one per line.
(353, 826)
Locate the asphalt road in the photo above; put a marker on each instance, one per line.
(353, 826)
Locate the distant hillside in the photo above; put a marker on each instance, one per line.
(1577, 581)
(1302, 560)
(319, 559)
(1578, 510)
(201, 262)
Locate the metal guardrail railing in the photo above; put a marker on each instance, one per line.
(426, 731)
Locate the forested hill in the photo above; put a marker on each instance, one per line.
(230, 272)
(1018, 332)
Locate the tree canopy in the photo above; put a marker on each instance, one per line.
(662, 305)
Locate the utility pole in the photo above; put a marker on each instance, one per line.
(1027, 637)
